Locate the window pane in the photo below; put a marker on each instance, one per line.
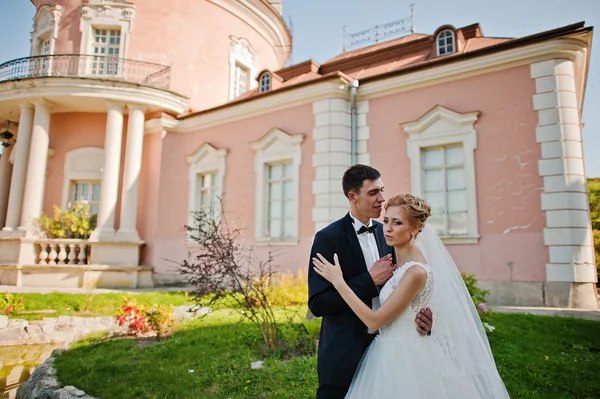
(433, 158)
(287, 170)
(96, 192)
(434, 180)
(437, 222)
(457, 201)
(454, 156)
(94, 209)
(274, 228)
(436, 200)
(458, 223)
(287, 227)
(455, 179)
(287, 189)
(287, 209)
(275, 191)
(275, 172)
(274, 209)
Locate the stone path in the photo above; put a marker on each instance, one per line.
(588, 314)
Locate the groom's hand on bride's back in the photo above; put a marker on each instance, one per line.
(382, 270)
(424, 321)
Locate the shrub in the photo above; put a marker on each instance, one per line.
(75, 222)
(289, 289)
(161, 319)
(10, 303)
(479, 297)
(142, 321)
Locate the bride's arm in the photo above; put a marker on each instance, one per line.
(409, 285)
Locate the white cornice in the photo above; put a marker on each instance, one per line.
(561, 48)
(277, 102)
(264, 22)
(49, 88)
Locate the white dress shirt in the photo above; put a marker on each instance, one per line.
(368, 245)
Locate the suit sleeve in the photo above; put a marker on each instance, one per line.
(323, 298)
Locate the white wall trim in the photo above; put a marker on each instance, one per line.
(568, 233)
(276, 146)
(105, 14)
(439, 127)
(571, 48)
(241, 52)
(85, 163)
(206, 159)
(45, 24)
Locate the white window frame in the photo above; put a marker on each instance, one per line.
(206, 159)
(445, 46)
(90, 183)
(265, 82)
(242, 53)
(81, 165)
(45, 27)
(443, 127)
(96, 15)
(274, 147)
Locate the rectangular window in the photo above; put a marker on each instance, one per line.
(280, 218)
(106, 50)
(87, 192)
(206, 192)
(241, 80)
(445, 188)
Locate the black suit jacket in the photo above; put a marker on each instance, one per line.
(343, 337)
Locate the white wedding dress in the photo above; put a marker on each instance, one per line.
(400, 363)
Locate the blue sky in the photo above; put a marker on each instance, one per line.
(318, 33)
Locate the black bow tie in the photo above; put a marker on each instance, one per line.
(365, 229)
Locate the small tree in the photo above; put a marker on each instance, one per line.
(222, 268)
(75, 222)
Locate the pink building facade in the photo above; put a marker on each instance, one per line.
(115, 109)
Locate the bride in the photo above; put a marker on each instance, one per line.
(456, 361)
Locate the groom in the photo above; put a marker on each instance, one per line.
(367, 263)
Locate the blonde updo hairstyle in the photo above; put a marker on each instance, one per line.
(417, 208)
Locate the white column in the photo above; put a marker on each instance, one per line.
(17, 182)
(5, 172)
(568, 232)
(109, 190)
(133, 166)
(331, 158)
(35, 179)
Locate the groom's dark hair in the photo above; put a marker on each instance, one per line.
(354, 177)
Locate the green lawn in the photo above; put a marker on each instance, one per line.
(538, 357)
(89, 305)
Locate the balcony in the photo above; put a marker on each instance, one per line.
(87, 66)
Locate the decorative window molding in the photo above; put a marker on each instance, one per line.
(205, 161)
(81, 165)
(264, 82)
(105, 14)
(442, 127)
(241, 56)
(276, 148)
(445, 42)
(45, 29)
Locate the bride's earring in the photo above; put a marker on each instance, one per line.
(412, 238)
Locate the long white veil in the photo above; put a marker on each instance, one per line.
(457, 327)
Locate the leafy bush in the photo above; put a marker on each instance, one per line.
(479, 297)
(76, 222)
(142, 321)
(10, 303)
(289, 289)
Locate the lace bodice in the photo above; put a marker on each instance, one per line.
(404, 325)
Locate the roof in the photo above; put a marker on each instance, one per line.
(396, 56)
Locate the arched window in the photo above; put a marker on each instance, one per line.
(445, 42)
(264, 82)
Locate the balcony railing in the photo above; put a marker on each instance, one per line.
(88, 66)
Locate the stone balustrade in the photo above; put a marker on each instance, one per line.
(63, 252)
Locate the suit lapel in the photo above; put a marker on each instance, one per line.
(353, 240)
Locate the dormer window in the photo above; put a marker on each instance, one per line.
(445, 42)
(264, 82)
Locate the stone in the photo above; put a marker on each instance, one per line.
(3, 321)
(17, 323)
(13, 336)
(47, 328)
(33, 329)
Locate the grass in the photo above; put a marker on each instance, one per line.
(89, 305)
(537, 356)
